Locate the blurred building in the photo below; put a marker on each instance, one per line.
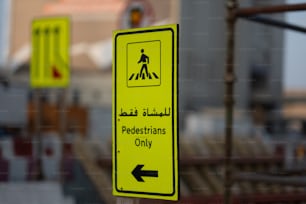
(92, 23)
(259, 50)
(4, 31)
(258, 58)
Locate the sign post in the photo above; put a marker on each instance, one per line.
(145, 113)
(49, 65)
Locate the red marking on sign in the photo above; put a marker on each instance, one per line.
(56, 74)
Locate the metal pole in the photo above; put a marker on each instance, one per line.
(276, 23)
(122, 200)
(63, 114)
(297, 181)
(243, 12)
(229, 99)
(38, 124)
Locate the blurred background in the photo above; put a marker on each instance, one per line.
(47, 159)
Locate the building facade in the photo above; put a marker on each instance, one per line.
(258, 58)
(4, 31)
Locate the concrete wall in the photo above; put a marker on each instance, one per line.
(203, 52)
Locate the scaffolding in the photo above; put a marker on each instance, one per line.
(251, 14)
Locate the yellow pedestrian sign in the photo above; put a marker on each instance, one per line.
(145, 112)
(50, 53)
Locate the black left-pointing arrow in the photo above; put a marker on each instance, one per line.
(138, 173)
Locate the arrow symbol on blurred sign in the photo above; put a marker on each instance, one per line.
(55, 73)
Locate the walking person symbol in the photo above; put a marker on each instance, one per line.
(144, 73)
(144, 59)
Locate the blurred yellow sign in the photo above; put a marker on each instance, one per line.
(145, 112)
(50, 53)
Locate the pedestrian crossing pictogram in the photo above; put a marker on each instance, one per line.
(144, 64)
(144, 60)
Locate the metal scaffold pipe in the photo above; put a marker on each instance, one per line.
(243, 12)
(229, 99)
(275, 23)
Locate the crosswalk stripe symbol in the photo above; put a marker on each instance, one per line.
(131, 77)
(155, 75)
